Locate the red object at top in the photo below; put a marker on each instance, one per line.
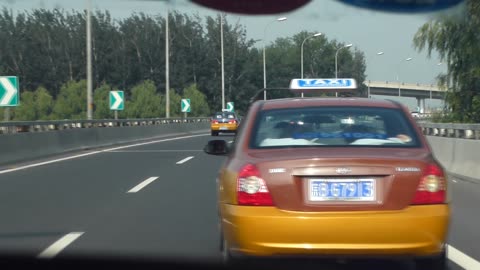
(253, 6)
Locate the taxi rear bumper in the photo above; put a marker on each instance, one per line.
(419, 231)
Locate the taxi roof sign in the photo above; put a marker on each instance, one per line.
(323, 84)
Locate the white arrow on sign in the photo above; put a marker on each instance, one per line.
(10, 91)
(118, 100)
(186, 105)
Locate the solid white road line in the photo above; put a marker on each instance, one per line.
(96, 152)
(462, 259)
(184, 160)
(59, 245)
(143, 184)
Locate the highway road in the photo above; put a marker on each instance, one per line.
(155, 200)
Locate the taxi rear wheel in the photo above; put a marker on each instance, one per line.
(226, 256)
(214, 133)
(435, 263)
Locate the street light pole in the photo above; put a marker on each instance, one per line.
(167, 70)
(223, 72)
(264, 63)
(336, 61)
(301, 53)
(89, 64)
(398, 76)
(368, 89)
(336, 58)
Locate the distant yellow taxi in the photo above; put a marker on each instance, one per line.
(223, 122)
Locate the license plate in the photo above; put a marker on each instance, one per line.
(223, 128)
(341, 190)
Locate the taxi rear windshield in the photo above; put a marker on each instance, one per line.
(225, 115)
(333, 126)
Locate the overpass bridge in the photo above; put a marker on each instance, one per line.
(401, 89)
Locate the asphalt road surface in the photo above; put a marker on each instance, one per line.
(156, 200)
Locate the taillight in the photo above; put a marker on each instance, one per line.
(432, 187)
(232, 121)
(251, 188)
(214, 121)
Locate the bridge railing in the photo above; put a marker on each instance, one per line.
(451, 130)
(42, 126)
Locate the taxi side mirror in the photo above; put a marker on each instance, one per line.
(216, 147)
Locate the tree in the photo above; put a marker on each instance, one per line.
(458, 44)
(43, 104)
(34, 106)
(198, 101)
(25, 111)
(101, 100)
(175, 106)
(145, 102)
(71, 101)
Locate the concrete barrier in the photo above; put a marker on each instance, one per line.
(28, 146)
(458, 156)
(443, 150)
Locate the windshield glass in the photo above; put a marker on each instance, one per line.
(106, 107)
(223, 115)
(333, 126)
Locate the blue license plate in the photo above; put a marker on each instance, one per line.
(341, 190)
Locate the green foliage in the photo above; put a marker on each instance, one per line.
(33, 106)
(71, 101)
(25, 111)
(175, 106)
(101, 99)
(44, 104)
(198, 101)
(47, 48)
(145, 102)
(457, 41)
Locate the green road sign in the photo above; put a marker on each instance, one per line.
(230, 107)
(8, 91)
(185, 105)
(117, 102)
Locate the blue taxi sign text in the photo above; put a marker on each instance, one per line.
(322, 84)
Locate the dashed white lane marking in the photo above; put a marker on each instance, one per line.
(95, 152)
(184, 160)
(59, 245)
(462, 259)
(143, 184)
(454, 181)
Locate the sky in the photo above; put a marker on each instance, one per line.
(368, 31)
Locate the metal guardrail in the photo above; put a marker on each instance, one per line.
(464, 131)
(42, 126)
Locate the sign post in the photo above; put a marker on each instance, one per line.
(117, 102)
(185, 106)
(8, 94)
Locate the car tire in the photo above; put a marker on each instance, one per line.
(214, 133)
(226, 256)
(438, 262)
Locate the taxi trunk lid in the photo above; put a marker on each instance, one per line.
(340, 179)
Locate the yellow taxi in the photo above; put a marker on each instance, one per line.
(223, 122)
(332, 177)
